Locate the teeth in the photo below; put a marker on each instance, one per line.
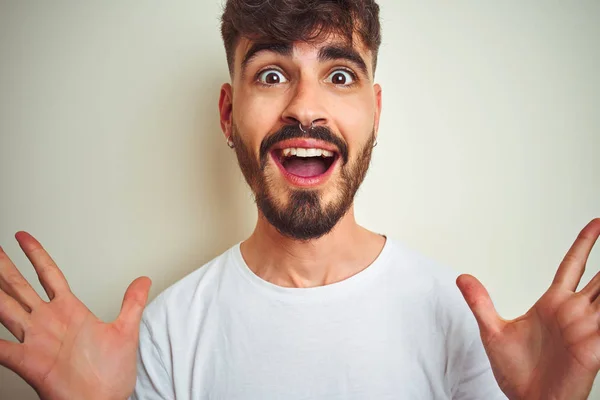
(302, 152)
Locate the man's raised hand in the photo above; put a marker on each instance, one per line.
(552, 351)
(65, 352)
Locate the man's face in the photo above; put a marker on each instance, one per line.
(304, 180)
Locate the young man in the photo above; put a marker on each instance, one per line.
(311, 305)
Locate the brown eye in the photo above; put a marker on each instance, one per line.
(271, 77)
(341, 78)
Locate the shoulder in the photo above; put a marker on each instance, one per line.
(430, 282)
(432, 286)
(420, 272)
(189, 293)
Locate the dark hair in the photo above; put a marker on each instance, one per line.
(288, 21)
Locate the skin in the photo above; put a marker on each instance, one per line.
(308, 96)
(65, 352)
(553, 351)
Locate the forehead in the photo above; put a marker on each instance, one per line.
(325, 48)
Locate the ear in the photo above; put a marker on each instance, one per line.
(377, 90)
(226, 109)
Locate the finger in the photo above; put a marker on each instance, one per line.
(572, 267)
(52, 279)
(592, 289)
(13, 316)
(11, 356)
(15, 285)
(480, 303)
(134, 302)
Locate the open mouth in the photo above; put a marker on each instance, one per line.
(306, 163)
(305, 166)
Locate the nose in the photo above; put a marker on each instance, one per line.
(306, 106)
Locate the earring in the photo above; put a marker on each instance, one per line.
(375, 144)
(230, 142)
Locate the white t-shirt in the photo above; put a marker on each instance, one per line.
(399, 329)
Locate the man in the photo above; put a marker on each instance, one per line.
(311, 305)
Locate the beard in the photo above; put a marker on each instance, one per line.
(304, 217)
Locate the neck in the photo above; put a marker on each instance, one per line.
(345, 251)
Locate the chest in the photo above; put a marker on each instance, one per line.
(348, 350)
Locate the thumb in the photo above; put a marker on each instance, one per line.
(134, 302)
(480, 303)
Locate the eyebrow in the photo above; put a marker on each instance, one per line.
(327, 53)
(284, 49)
(333, 53)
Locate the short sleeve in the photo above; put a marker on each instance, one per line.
(476, 380)
(469, 373)
(153, 380)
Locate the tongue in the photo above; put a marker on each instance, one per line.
(305, 167)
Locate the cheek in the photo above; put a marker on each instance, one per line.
(255, 118)
(361, 113)
(355, 120)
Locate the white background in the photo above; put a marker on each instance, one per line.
(111, 152)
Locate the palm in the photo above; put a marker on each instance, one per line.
(91, 349)
(552, 351)
(67, 352)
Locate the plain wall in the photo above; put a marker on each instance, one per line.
(112, 156)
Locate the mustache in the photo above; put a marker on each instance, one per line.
(293, 132)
